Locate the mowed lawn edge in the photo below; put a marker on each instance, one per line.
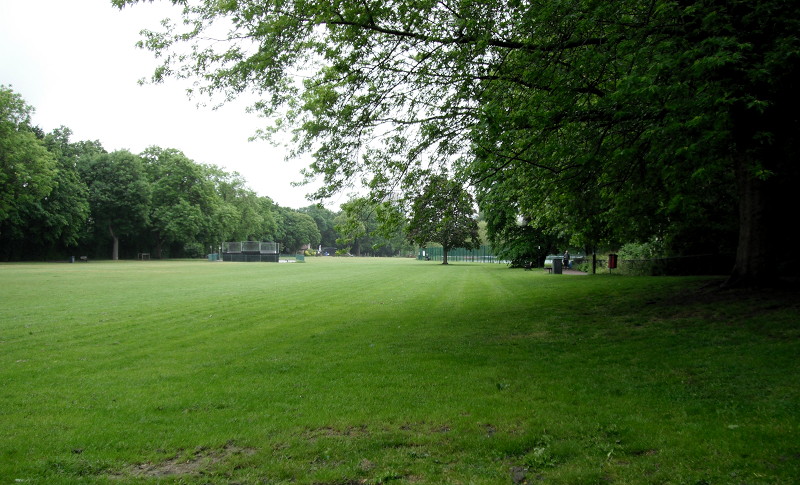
(390, 370)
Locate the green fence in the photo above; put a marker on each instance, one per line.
(483, 254)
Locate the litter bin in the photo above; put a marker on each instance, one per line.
(72, 259)
(557, 265)
(612, 261)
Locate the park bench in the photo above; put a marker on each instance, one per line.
(85, 259)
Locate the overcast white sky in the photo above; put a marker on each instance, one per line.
(76, 63)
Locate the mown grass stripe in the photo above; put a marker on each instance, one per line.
(351, 370)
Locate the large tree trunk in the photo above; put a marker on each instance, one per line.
(444, 255)
(767, 150)
(752, 259)
(115, 244)
(764, 248)
(159, 246)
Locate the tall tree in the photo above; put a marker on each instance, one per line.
(325, 222)
(27, 169)
(651, 111)
(119, 195)
(443, 213)
(267, 208)
(64, 213)
(512, 237)
(351, 225)
(242, 214)
(298, 230)
(364, 225)
(183, 198)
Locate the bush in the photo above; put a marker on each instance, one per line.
(586, 265)
(193, 250)
(646, 250)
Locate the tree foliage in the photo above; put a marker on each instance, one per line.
(62, 220)
(368, 227)
(324, 219)
(119, 195)
(241, 213)
(28, 171)
(299, 230)
(353, 225)
(184, 200)
(602, 121)
(61, 196)
(443, 214)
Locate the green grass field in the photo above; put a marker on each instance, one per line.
(348, 371)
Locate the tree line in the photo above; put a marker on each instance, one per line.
(671, 122)
(60, 197)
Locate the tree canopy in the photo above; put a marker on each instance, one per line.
(368, 227)
(443, 213)
(119, 194)
(299, 230)
(28, 171)
(601, 121)
(59, 196)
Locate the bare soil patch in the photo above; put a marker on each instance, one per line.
(199, 460)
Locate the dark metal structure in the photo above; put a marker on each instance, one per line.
(251, 251)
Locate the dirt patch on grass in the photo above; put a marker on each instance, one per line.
(327, 431)
(193, 463)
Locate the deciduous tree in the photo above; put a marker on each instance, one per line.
(325, 222)
(367, 226)
(183, 198)
(651, 111)
(64, 213)
(443, 213)
(119, 195)
(240, 215)
(27, 169)
(298, 230)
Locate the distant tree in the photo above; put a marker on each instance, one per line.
(325, 222)
(241, 214)
(443, 213)
(119, 195)
(513, 238)
(183, 198)
(65, 212)
(351, 225)
(28, 170)
(298, 230)
(269, 222)
(365, 226)
(389, 234)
